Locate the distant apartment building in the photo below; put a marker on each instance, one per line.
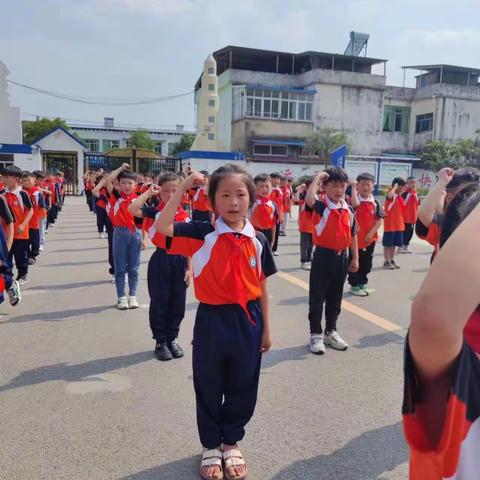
(270, 102)
(105, 137)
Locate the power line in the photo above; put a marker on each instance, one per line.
(93, 101)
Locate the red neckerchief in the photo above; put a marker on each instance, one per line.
(471, 331)
(233, 269)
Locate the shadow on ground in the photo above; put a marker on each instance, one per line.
(75, 373)
(274, 357)
(185, 469)
(379, 340)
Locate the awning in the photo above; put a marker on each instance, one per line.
(276, 141)
(15, 148)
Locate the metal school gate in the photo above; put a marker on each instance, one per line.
(154, 166)
(65, 162)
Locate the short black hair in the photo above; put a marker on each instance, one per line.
(39, 174)
(399, 181)
(204, 173)
(168, 177)
(366, 177)
(231, 169)
(12, 171)
(462, 177)
(283, 178)
(129, 175)
(411, 178)
(27, 174)
(261, 177)
(308, 181)
(275, 175)
(336, 174)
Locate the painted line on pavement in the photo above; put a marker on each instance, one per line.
(352, 308)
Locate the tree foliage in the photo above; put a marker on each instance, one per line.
(141, 139)
(37, 128)
(185, 143)
(323, 142)
(439, 154)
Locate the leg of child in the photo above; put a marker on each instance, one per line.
(20, 252)
(408, 234)
(304, 247)
(34, 242)
(100, 219)
(120, 259)
(110, 245)
(275, 242)
(42, 231)
(309, 247)
(133, 262)
(176, 308)
(318, 287)
(367, 262)
(333, 299)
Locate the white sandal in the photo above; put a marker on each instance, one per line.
(211, 458)
(234, 458)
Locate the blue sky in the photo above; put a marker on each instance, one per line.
(150, 48)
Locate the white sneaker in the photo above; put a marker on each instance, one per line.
(100, 235)
(104, 235)
(275, 254)
(122, 303)
(316, 344)
(133, 303)
(306, 266)
(335, 341)
(113, 280)
(40, 248)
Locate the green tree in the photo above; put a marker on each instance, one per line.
(438, 154)
(141, 139)
(323, 142)
(185, 143)
(37, 128)
(467, 152)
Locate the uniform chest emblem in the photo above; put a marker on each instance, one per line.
(253, 262)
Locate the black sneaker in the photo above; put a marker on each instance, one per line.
(175, 349)
(14, 294)
(162, 352)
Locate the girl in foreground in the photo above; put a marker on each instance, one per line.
(442, 369)
(231, 263)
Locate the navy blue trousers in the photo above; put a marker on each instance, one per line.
(167, 290)
(102, 218)
(19, 251)
(109, 229)
(226, 369)
(201, 216)
(34, 245)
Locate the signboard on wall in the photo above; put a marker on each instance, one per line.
(355, 167)
(390, 170)
(337, 157)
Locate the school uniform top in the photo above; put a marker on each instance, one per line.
(334, 224)
(411, 202)
(38, 204)
(119, 214)
(228, 266)
(150, 214)
(457, 454)
(263, 213)
(430, 234)
(102, 201)
(55, 189)
(6, 217)
(287, 195)
(200, 199)
(19, 202)
(279, 199)
(366, 215)
(394, 221)
(305, 224)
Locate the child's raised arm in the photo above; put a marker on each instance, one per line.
(446, 300)
(354, 197)
(313, 188)
(99, 186)
(114, 175)
(135, 208)
(164, 222)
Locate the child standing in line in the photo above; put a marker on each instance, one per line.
(394, 224)
(263, 213)
(55, 200)
(38, 203)
(168, 275)
(201, 208)
(43, 212)
(411, 202)
(305, 225)
(101, 206)
(22, 210)
(334, 234)
(277, 197)
(127, 235)
(369, 217)
(441, 406)
(231, 263)
(287, 195)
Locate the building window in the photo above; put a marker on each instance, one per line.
(110, 144)
(211, 136)
(211, 103)
(211, 87)
(211, 119)
(158, 147)
(424, 123)
(92, 144)
(171, 147)
(211, 70)
(266, 103)
(396, 119)
(276, 150)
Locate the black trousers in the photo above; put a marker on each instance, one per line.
(167, 290)
(268, 235)
(306, 247)
(34, 243)
(408, 233)
(53, 214)
(101, 219)
(226, 370)
(109, 229)
(88, 195)
(19, 252)
(365, 260)
(275, 242)
(327, 277)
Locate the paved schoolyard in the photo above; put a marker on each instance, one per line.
(82, 396)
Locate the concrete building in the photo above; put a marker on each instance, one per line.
(270, 102)
(101, 138)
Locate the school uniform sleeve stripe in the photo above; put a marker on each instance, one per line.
(266, 257)
(202, 256)
(188, 237)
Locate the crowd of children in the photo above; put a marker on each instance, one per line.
(222, 231)
(29, 205)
